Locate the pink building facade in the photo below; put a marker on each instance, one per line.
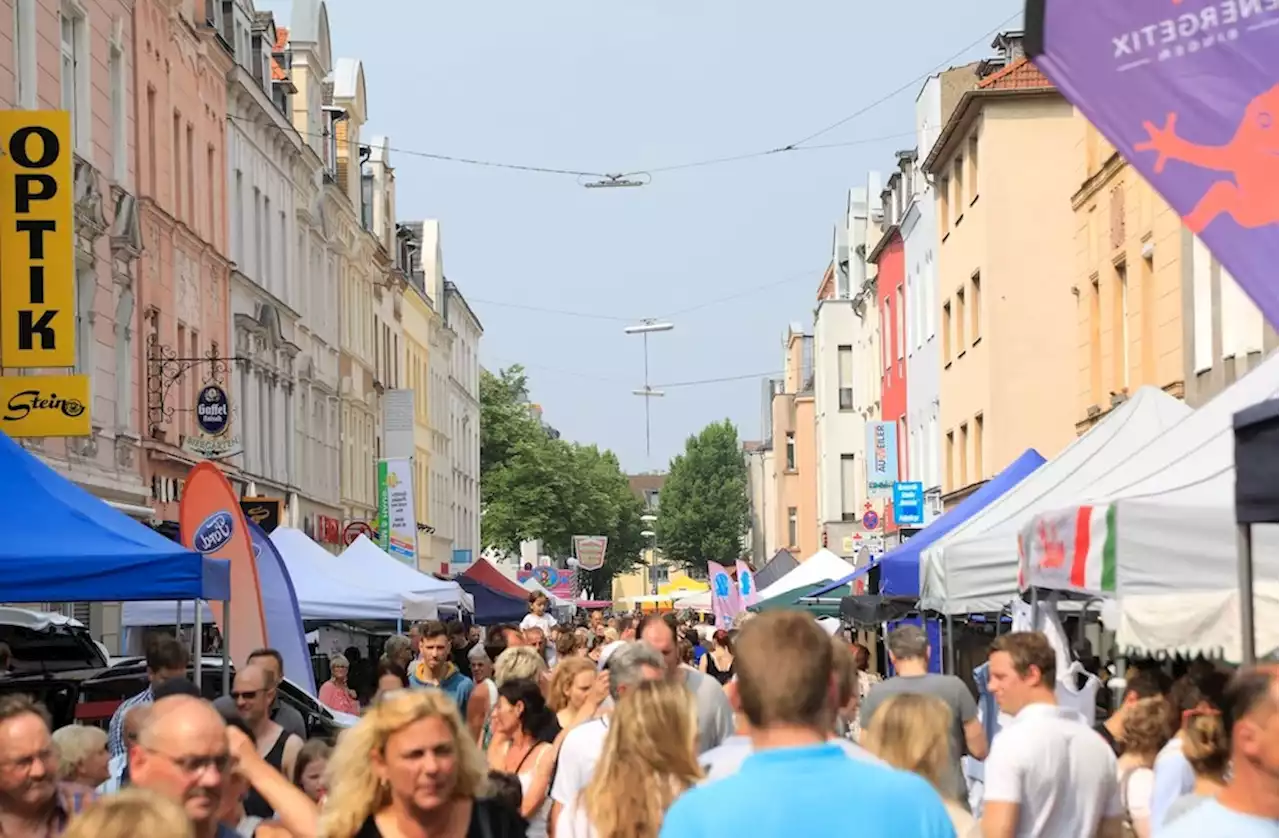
(180, 103)
(77, 56)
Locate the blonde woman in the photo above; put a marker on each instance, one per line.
(570, 685)
(130, 813)
(912, 731)
(519, 663)
(1145, 732)
(1208, 749)
(649, 759)
(409, 768)
(82, 755)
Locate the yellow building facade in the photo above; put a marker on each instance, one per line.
(1128, 282)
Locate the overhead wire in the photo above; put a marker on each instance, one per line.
(797, 145)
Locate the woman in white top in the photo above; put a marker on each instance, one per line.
(523, 731)
(912, 731)
(1145, 732)
(649, 759)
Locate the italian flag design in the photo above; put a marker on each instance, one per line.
(1073, 550)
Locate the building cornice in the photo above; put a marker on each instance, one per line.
(967, 110)
(885, 238)
(1114, 165)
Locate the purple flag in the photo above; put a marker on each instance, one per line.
(724, 595)
(1186, 90)
(748, 595)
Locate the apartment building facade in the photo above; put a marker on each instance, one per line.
(888, 255)
(305, 62)
(464, 418)
(795, 515)
(919, 230)
(1005, 256)
(180, 103)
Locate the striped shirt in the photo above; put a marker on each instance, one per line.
(115, 736)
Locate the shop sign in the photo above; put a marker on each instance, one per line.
(265, 512)
(213, 410)
(212, 447)
(328, 530)
(44, 405)
(37, 256)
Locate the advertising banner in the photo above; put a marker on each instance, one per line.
(397, 526)
(264, 512)
(559, 581)
(212, 524)
(44, 405)
(1187, 93)
(908, 502)
(724, 596)
(37, 257)
(748, 595)
(280, 605)
(882, 459)
(590, 550)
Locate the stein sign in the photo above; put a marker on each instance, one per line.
(213, 410)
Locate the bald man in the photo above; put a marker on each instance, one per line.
(181, 752)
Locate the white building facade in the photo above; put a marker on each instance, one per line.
(307, 61)
(464, 419)
(262, 152)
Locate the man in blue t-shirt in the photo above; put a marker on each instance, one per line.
(1248, 807)
(797, 783)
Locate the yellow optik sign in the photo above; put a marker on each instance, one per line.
(44, 405)
(37, 259)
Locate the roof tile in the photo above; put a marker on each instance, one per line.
(1020, 75)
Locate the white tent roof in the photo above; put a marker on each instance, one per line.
(323, 594)
(822, 566)
(1174, 535)
(365, 562)
(696, 601)
(975, 566)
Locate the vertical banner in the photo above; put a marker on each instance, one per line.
(397, 526)
(724, 596)
(37, 256)
(212, 524)
(1187, 93)
(748, 595)
(285, 633)
(589, 550)
(882, 458)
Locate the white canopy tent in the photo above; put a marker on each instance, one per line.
(822, 566)
(323, 594)
(365, 562)
(1159, 533)
(974, 568)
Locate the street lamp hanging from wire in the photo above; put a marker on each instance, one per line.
(644, 328)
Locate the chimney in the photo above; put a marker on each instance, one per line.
(1010, 45)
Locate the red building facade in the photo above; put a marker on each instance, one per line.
(891, 304)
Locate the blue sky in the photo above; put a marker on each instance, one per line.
(614, 86)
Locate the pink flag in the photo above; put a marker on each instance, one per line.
(747, 593)
(724, 595)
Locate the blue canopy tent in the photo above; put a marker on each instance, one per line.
(492, 606)
(62, 544)
(900, 567)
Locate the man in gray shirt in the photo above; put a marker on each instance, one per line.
(909, 652)
(715, 715)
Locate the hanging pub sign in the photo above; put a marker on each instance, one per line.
(265, 512)
(213, 418)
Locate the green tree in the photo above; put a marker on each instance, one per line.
(705, 508)
(536, 487)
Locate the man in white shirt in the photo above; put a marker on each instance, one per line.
(628, 665)
(1048, 773)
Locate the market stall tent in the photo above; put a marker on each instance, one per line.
(782, 563)
(482, 571)
(324, 591)
(62, 544)
(1158, 533)
(900, 567)
(493, 606)
(974, 568)
(822, 566)
(365, 562)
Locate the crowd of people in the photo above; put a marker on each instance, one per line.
(646, 727)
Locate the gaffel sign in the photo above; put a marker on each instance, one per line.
(37, 260)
